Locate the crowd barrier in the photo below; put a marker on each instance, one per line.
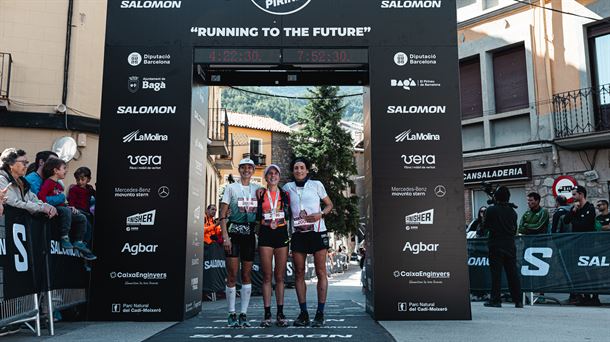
(560, 263)
(37, 276)
(215, 273)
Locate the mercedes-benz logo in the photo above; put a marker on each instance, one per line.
(440, 191)
(163, 192)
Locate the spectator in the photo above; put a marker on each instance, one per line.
(501, 221)
(604, 217)
(536, 219)
(34, 172)
(18, 194)
(582, 215)
(475, 228)
(211, 228)
(70, 219)
(558, 225)
(2, 199)
(582, 218)
(82, 197)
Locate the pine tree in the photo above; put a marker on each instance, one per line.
(330, 150)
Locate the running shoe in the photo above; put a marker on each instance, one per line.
(266, 323)
(281, 320)
(243, 320)
(318, 321)
(65, 242)
(232, 320)
(302, 320)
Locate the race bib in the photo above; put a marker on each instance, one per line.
(280, 218)
(301, 225)
(247, 205)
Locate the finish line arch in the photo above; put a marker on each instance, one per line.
(403, 52)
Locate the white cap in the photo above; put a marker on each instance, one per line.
(246, 161)
(272, 166)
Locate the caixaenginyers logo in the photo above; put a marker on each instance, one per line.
(281, 7)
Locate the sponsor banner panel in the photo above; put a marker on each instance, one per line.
(569, 263)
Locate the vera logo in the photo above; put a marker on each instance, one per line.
(425, 217)
(419, 161)
(144, 162)
(135, 136)
(133, 84)
(408, 136)
(139, 248)
(143, 219)
(281, 7)
(151, 4)
(413, 4)
(134, 59)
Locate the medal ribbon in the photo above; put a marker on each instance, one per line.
(273, 204)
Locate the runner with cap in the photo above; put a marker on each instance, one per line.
(309, 236)
(273, 214)
(238, 238)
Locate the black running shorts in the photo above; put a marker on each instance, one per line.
(242, 247)
(309, 242)
(274, 238)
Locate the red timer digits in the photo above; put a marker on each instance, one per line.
(237, 56)
(325, 56)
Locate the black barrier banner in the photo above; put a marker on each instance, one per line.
(32, 259)
(214, 268)
(578, 262)
(16, 255)
(148, 144)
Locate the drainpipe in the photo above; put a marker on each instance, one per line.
(64, 94)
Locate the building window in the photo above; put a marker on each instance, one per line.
(599, 54)
(470, 88)
(256, 146)
(510, 79)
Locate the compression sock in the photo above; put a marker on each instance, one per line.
(246, 291)
(267, 312)
(321, 307)
(303, 307)
(280, 309)
(231, 292)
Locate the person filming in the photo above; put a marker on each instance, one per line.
(501, 222)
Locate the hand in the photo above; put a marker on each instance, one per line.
(3, 194)
(226, 243)
(50, 210)
(313, 217)
(74, 210)
(259, 193)
(576, 206)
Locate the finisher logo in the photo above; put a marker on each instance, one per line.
(425, 217)
(151, 4)
(281, 7)
(143, 219)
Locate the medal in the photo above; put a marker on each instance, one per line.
(273, 224)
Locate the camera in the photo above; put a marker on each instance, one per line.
(490, 190)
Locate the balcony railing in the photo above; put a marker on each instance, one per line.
(582, 111)
(218, 131)
(259, 159)
(6, 62)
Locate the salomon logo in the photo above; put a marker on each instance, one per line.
(151, 4)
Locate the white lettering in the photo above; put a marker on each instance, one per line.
(151, 4)
(542, 267)
(19, 237)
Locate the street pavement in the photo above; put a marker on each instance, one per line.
(347, 320)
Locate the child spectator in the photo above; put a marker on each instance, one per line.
(82, 197)
(70, 219)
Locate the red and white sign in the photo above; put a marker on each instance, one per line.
(563, 185)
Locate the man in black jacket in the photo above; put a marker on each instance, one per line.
(582, 215)
(501, 222)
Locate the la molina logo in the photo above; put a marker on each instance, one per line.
(281, 7)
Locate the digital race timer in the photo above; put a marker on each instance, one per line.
(237, 56)
(279, 56)
(325, 56)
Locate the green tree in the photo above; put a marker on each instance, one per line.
(330, 150)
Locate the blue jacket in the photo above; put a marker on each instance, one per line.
(36, 182)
